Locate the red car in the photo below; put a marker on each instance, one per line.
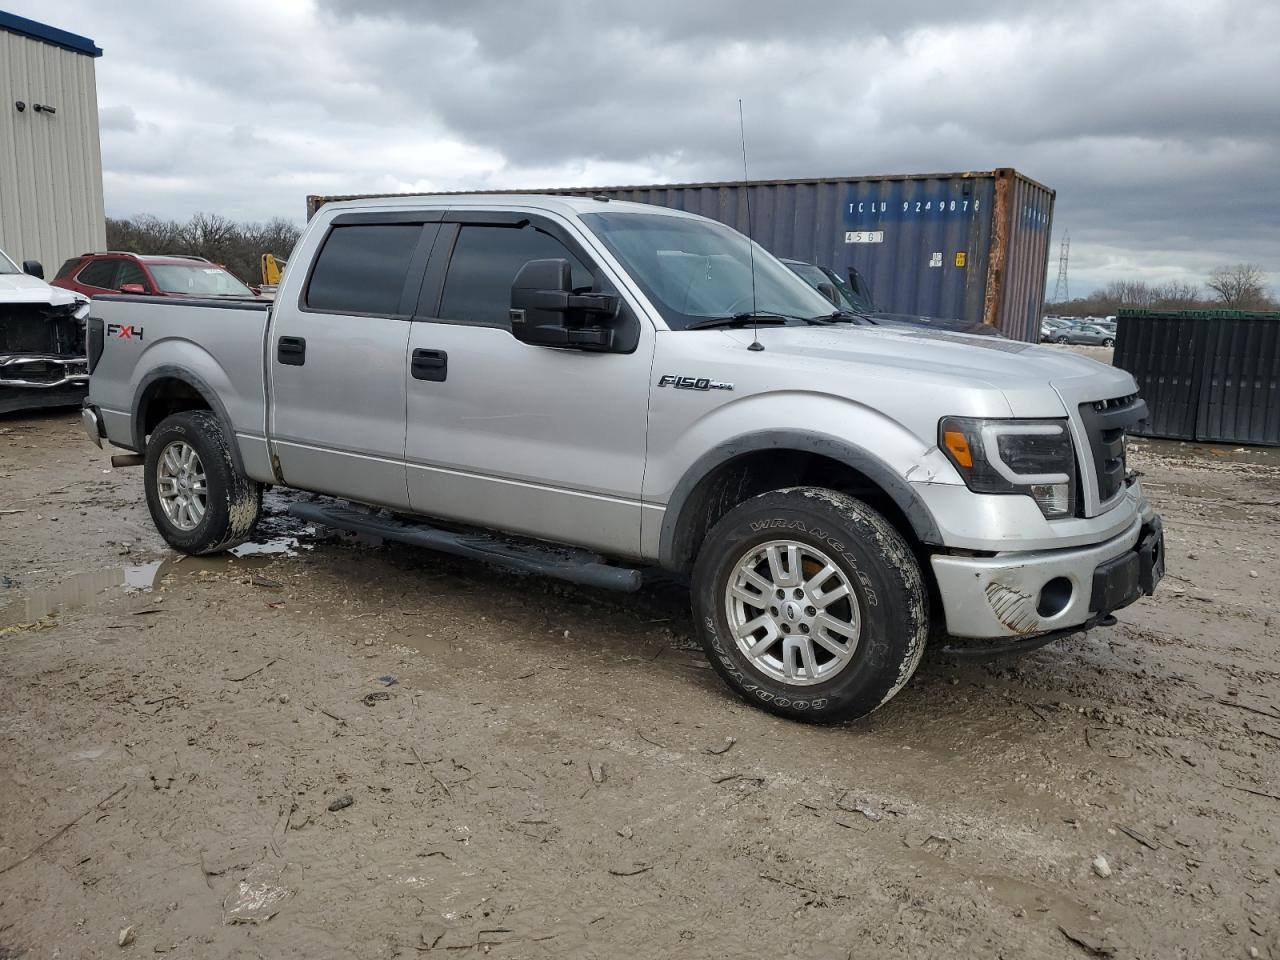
(171, 275)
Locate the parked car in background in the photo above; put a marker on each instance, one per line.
(1051, 325)
(168, 275)
(42, 354)
(845, 297)
(1094, 334)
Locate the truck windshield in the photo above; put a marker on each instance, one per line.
(7, 265)
(198, 279)
(695, 270)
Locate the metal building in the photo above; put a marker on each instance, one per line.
(50, 158)
(971, 246)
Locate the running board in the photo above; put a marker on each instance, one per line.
(565, 563)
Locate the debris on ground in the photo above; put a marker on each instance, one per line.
(257, 896)
(720, 748)
(1101, 867)
(341, 803)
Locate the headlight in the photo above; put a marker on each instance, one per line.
(1033, 458)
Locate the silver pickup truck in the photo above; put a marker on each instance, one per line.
(589, 389)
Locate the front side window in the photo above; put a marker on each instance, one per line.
(130, 272)
(196, 280)
(485, 261)
(7, 265)
(362, 268)
(694, 270)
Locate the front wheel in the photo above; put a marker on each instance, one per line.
(1062, 340)
(811, 605)
(1108, 342)
(198, 500)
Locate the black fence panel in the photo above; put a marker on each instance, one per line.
(1210, 375)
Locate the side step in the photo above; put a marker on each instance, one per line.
(566, 563)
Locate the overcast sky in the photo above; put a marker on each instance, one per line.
(1157, 121)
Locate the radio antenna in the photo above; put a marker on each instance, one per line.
(756, 345)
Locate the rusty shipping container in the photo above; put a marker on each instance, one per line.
(968, 245)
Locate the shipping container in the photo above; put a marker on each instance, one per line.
(970, 246)
(1211, 375)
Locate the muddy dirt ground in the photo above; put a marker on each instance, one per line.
(556, 772)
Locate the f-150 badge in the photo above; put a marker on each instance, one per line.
(693, 383)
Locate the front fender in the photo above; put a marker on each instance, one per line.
(882, 450)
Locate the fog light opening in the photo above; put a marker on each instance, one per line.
(1054, 597)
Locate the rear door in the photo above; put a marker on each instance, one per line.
(540, 441)
(337, 356)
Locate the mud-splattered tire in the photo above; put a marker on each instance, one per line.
(833, 659)
(231, 502)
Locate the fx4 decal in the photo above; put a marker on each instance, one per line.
(693, 383)
(125, 331)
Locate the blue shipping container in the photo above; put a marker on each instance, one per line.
(972, 246)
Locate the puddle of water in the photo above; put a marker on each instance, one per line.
(81, 590)
(276, 546)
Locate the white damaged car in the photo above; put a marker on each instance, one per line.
(42, 340)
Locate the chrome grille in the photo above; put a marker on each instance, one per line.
(1105, 424)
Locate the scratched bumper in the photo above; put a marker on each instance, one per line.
(1000, 596)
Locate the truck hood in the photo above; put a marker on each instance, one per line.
(1037, 381)
(24, 288)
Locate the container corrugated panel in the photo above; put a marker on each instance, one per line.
(1162, 353)
(1240, 395)
(1206, 375)
(967, 245)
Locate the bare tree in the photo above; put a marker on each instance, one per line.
(1177, 295)
(1239, 286)
(237, 246)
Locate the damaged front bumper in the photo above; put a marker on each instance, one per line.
(42, 371)
(1029, 594)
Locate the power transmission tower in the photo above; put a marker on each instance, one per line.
(1061, 292)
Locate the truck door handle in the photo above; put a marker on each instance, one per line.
(429, 365)
(292, 351)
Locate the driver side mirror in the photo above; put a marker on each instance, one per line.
(828, 290)
(546, 312)
(132, 288)
(34, 267)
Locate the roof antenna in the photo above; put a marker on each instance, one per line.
(756, 345)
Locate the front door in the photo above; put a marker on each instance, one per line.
(539, 441)
(337, 355)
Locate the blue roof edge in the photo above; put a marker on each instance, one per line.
(42, 31)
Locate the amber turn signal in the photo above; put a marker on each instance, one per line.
(959, 447)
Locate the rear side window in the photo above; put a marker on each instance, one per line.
(362, 268)
(67, 268)
(100, 273)
(485, 261)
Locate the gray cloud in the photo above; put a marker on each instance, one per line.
(1155, 120)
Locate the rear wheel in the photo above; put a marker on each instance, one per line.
(1108, 342)
(198, 500)
(811, 604)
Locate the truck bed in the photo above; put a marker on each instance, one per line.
(136, 341)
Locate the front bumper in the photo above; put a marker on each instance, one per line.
(1022, 594)
(42, 371)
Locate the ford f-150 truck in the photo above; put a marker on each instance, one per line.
(590, 389)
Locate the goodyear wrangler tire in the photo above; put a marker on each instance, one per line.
(198, 500)
(811, 605)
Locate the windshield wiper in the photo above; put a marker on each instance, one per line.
(843, 316)
(743, 320)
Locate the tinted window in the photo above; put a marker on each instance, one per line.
(362, 268)
(99, 274)
(486, 260)
(65, 269)
(130, 272)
